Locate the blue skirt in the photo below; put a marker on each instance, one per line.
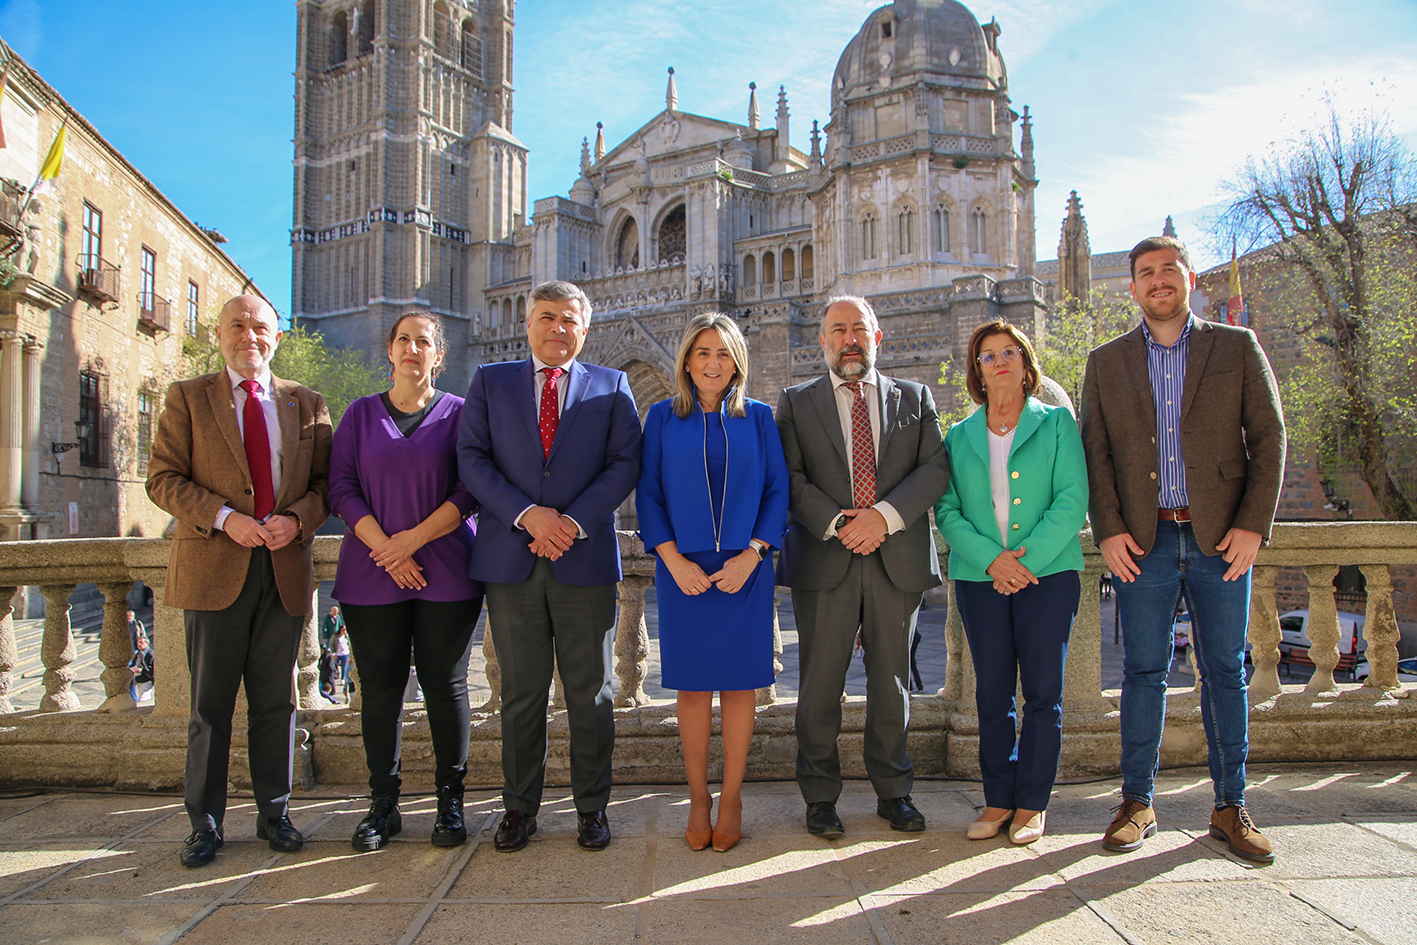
(715, 642)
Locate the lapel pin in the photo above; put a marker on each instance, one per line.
(291, 404)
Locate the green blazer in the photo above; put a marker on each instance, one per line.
(1047, 487)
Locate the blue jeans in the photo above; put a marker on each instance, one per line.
(1175, 569)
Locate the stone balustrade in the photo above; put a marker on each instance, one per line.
(118, 743)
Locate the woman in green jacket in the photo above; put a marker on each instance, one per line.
(1016, 501)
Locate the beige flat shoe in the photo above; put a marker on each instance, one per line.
(1029, 831)
(984, 829)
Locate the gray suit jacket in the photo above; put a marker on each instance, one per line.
(1232, 436)
(911, 474)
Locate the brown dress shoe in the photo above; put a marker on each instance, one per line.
(1234, 826)
(1132, 822)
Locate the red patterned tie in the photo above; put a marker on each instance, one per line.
(863, 450)
(550, 408)
(258, 449)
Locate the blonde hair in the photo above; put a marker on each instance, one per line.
(737, 347)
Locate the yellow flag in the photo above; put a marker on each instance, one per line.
(55, 159)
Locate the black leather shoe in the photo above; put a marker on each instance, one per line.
(594, 830)
(200, 848)
(280, 832)
(822, 820)
(901, 813)
(514, 831)
(382, 822)
(449, 829)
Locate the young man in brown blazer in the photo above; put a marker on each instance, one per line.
(1184, 437)
(242, 460)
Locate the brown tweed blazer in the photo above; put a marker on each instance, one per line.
(1232, 436)
(198, 464)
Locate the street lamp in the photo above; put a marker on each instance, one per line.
(82, 429)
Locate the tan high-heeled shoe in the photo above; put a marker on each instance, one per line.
(1030, 830)
(985, 829)
(723, 842)
(698, 839)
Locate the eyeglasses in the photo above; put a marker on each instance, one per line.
(1008, 356)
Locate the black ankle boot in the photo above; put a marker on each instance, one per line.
(381, 823)
(449, 829)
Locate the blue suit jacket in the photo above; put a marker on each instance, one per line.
(593, 466)
(673, 499)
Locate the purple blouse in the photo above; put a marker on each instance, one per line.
(376, 470)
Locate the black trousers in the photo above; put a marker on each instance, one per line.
(439, 635)
(534, 623)
(254, 642)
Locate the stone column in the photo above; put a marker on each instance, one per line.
(492, 668)
(632, 642)
(1323, 626)
(9, 653)
(1082, 679)
(57, 649)
(172, 682)
(768, 694)
(1264, 635)
(307, 658)
(1379, 628)
(11, 421)
(29, 452)
(115, 648)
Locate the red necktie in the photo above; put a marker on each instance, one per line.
(863, 450)
(258, 450)
(550, 409)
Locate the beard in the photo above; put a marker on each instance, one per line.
(1164, 310)
(853, 370)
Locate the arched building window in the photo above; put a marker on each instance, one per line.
(789, 265)
(941, 221)
(627, 247)
(807, 261)
(977, 232)
(868, 237)
(906, 225)
(672, 234)
(339, 38)
(442, 31)
(521, 308)
(366, 27)
(506, 311)
(471, 49)
(750, 270)
(769, 268)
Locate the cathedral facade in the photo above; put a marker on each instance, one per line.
(410, 192)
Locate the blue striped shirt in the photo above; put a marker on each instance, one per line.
(1167, 367)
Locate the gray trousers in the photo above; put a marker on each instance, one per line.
(253, 641)
(534, 624)
(827, 622)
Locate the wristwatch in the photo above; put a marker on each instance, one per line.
(761, 549)
(299, 529)
(841, 521)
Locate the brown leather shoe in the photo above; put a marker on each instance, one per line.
(1234, 826)
(1132, 822)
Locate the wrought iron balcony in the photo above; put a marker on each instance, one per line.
(154, 312)
(98, 279)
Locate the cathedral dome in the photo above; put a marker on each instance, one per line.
(909, 39)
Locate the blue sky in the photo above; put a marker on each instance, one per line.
(1144, 108)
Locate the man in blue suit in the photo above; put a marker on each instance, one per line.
(551, 447)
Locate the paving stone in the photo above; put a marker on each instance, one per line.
(333, 871)
(143, 871)
(1332, 791)
(1040, 917)
(87, 923)
(1384, 909)
(776, 921)
(1254, 911)
(22, 864)
(1169, 856)
(939, 862)
(83, 817)
(553, 868)
(1313, 851)
(767, 866)
(304, 923)
(1395, 827)
(479, 924)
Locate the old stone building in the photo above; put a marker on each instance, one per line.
(917, 192)
(101, 280)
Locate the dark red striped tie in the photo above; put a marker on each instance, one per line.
(863, 450)
(550, 408)
(258, 450)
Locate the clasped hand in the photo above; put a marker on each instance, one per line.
(730, 578)
(1009, 575)
(865, 532)
(551, 532)
(275, 532)
(395, 556)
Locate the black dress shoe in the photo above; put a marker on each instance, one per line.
(514, 831)
(448, 828)
(901, 813)
(594, 830)
(200, 848)
(822, 820)
(280, 832)
(382, 822)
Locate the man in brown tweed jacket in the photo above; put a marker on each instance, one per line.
(242, 460)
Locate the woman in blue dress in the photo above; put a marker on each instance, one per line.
(713, 579)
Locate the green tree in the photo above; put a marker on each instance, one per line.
(1335, 210)
(1075, 327)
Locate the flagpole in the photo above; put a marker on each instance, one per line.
(30, 195)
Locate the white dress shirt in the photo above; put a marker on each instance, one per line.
(538, 384)
(871, 390)
(266, 398)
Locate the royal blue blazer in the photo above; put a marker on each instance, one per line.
(593, 466)
(673, 494)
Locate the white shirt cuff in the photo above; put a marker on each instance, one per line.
(221, 515)
(517, 522)
(894, 523)
(580, 532)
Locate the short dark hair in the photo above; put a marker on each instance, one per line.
(974, 379)
(435, 322)
(559, 290)
(1151, 244)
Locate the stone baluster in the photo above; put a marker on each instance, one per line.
(115, 648)
(356, 698)
(492, 668)
(768, 694)
(307, 659)
(1380, 628)
(57, 651)
(958, 691)
(1323, 630)
(1082, 678)
(1264, 635)
(631, 642)
(9, 652)
(172, 684)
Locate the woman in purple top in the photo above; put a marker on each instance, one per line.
(402, 578)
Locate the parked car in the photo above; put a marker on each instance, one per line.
(1406, 670)
(1294, 632)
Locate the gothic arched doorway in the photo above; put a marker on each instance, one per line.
(650, 385)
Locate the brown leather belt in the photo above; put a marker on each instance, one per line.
(1182, 514)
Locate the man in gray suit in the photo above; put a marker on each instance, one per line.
(867, 462)
(1185, 456)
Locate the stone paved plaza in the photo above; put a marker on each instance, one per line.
(102, 869)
